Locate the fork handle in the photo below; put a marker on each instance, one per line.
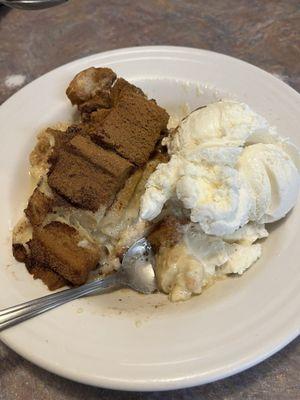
(16, 314)
(32, 4)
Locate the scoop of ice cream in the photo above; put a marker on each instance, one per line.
(206, 181)
(273, 180)
(232, 254)
(228, 167)
(241, 258)
(199, 259)
(247, 234)
(224, 123)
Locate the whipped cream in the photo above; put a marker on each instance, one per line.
(228, 167)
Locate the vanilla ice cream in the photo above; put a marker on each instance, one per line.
(273, 180)
(232, 173)
(199, 259)
(221, 178)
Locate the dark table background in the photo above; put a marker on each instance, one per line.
(265, 33)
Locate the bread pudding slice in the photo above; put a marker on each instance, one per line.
(84, 210)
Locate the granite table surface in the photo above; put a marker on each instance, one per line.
(263, 32)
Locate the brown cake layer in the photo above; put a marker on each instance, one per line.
(89, 167)
(52, 279)
(126, 120)
(38, 207)
(96, 117)
(107, 160)
(19, 252)
(97, 114)
(133, 127)
(56, 246)
(124, 135)
(167, 233)
(120, 87)
(82, 184)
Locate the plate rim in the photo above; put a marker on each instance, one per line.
(161, 48)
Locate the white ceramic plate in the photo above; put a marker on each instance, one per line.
(128, 341)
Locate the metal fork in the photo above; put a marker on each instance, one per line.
(136, 272)
(32, 4)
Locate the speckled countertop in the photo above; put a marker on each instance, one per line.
(263, 32)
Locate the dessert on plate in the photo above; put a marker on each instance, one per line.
(202, 192)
